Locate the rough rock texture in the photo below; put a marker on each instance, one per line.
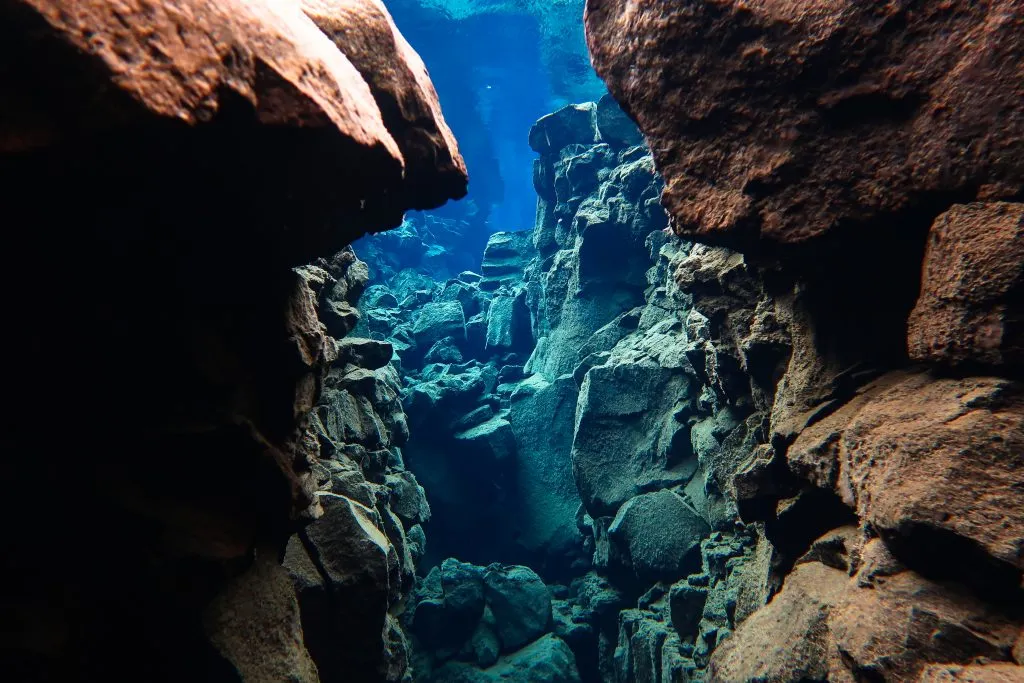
(832, 143)
(176, 162)
(972, 288)
(784, 122)
(885, 622)
(486, 624)
(611, 382)
(900, 452)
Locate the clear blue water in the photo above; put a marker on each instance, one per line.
(498, 66)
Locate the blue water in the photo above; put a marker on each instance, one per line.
(496, 74)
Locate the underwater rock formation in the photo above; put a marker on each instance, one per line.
(590, 406)
(831, 144)
(783, 123)
(167, 166)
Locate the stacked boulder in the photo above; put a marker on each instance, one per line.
(482, 624)
(358, 558)
(580, 407)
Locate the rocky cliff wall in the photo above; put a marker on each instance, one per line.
(166, 168)
(866, 160)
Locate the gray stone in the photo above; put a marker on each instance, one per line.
(408, 499)
(467, 295)
(614, 125)
(542, 415)
(444, 351)
(473, 418)
(437, 320)
(520, 602)
(627, 437)
(686, 607)
(369, 354)
(508, 323)
(571, 124)
(378, 296)
(492, 441)
(485, 645)
(658, 535)
(505, 259)
(548, 660)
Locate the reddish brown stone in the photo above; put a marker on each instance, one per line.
(364, 31)
(978, 673)
(935, 462)
(783, 121)
(971, 308)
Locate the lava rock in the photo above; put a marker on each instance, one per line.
(520, 602)
(492, 442)
(971, 302)
(548, 660)
(658, 535)
(369, 354)
(869, 145)
(614, 125)
(572, 124)
(437, 320)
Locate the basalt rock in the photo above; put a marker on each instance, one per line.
(204, 153)
(972, 290)
(783, 122)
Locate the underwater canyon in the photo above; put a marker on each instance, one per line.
(715, 374)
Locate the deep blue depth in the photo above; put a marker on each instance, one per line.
(495, 76)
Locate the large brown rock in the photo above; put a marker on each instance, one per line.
(365, 33)
(884, 623)
(891, 622)
(935, 463)
(171, 163)
(787, 640)
(785, 121)
(972, 290)
(978, 673)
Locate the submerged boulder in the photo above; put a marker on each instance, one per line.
(572, 124)
(615, 126)
(658, 535)
(508, 323)
(520, 602)
(492, 441)
(437, 320)
(548, 660)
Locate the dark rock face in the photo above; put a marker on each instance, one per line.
(781, 122)
(832, 143)
(201, 152)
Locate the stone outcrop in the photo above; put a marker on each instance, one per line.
(173, 164)
(832, 143)
(783, 123)
(971, 289)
